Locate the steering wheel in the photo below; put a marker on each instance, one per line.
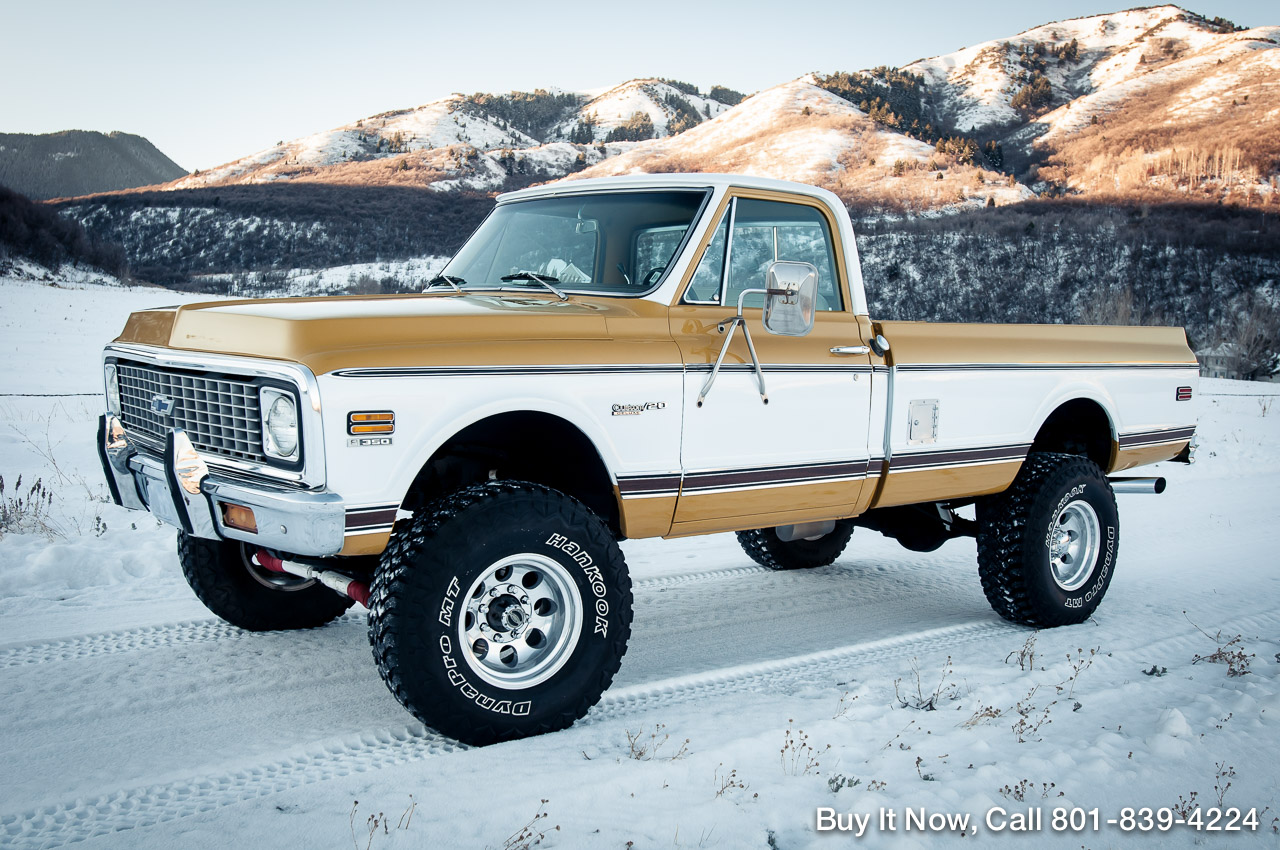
(652, 275)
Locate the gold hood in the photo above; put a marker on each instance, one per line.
(329, 333)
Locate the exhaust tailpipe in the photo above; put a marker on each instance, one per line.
(1145, 486)
(347, 586)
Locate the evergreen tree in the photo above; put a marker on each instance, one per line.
(891, 97)
(727, 96)
(584, 133)
(686, 88)
(1034, 96)
(993, 153)
(637, 128)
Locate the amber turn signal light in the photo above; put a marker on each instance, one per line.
(371, 422)
(238, 516)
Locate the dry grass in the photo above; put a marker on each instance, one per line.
(1169, 142)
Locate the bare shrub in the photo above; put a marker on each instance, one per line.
(1229, 652)
(532, 833)
(1026, 656)
(982, 714)
(798, 756)
(1025, 789)
(726, 783)
(26, 513)
(1079, 662)
(927, 702)
(646, 748)
(1030, 717)
(842, 707)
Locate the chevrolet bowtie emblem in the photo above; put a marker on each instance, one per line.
(162, 404)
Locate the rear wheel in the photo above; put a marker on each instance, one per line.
(1047, 546)
(231, 585)
(500, 611)
(766, 548)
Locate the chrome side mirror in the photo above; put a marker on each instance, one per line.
(790, 301)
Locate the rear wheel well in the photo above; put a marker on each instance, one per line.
(522, 445)
(1078, 427)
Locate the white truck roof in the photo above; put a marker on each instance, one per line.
(670, 181)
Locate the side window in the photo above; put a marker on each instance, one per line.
(704, 287)
(765, 231)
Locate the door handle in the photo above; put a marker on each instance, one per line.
(851, 349)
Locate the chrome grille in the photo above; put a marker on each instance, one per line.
(220, 415)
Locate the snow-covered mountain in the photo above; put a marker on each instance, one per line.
(477, 141)
(1153, 101)
(798, 131)
(973, 88)
(1127, 102)
(669, 109)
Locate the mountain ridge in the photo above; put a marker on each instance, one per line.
(997, 122)
(71, 163)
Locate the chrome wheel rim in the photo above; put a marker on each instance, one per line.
(1074, 542)
(521, 621)
(269, 578)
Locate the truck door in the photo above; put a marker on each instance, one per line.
(804, 454)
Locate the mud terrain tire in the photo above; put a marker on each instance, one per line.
(764, 547)
(250, 597)
(500, 611)
(1047, 546)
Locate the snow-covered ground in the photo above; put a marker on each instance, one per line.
(134, 719)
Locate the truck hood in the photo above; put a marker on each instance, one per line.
(358, 331)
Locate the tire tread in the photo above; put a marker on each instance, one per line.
(763, 546)
(210, 571)
(394, 581)
(1002, 528)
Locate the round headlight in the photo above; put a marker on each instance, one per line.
(113, 390)
(282, 426)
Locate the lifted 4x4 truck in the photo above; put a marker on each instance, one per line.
(654, 356)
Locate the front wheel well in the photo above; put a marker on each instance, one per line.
(1078, 427)
(521, 445)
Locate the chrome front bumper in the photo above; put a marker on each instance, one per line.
(180, 490)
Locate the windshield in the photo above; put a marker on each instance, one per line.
(617, 243)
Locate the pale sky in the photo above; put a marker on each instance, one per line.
(208, 82)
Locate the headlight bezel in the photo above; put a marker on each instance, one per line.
(111, 384)
(268, 396)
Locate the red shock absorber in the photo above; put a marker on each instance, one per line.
(344, 584)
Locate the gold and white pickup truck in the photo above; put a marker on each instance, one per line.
(652, 356)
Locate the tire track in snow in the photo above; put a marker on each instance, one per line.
(81, 819)
(132, 640)
(206, 631)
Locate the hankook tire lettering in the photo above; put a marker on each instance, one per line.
(594, 577)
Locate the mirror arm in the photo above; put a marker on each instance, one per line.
(733, 322)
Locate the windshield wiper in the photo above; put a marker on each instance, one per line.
(455, 282)
(534, 277)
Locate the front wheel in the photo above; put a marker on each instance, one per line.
(1047, 546)
(225, 578)
(501, 611)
